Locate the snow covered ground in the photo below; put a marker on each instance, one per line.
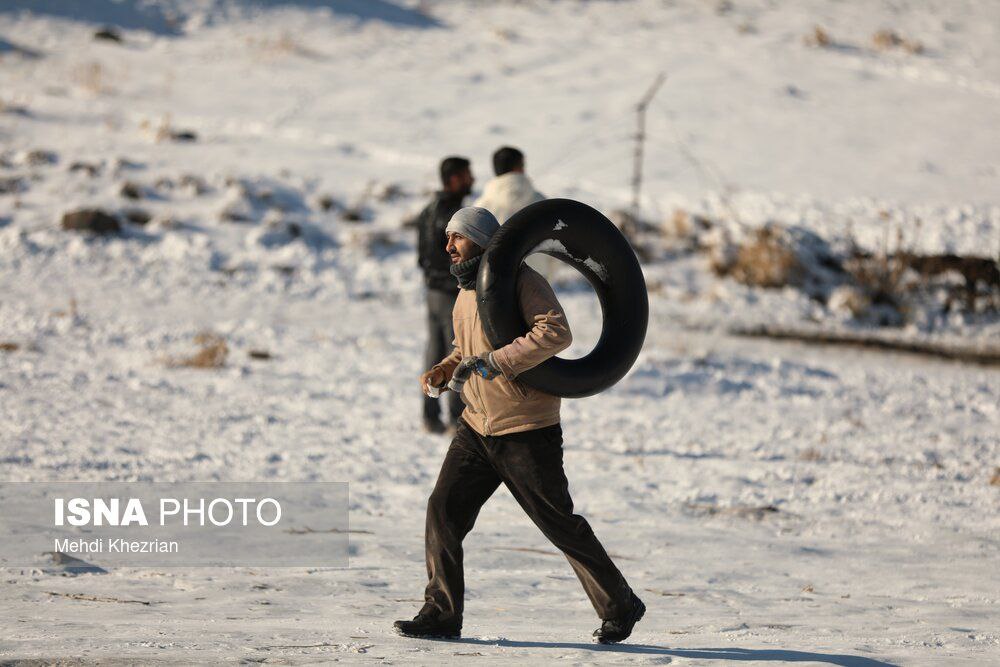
(770, 502)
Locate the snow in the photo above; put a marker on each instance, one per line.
(770, 502)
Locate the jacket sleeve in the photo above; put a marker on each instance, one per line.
(449, 363)
(425, 222)
(549, 333)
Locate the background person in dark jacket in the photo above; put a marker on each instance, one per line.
(456, 183)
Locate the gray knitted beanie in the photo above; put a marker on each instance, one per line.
(474, 223)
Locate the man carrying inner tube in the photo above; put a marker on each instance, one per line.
(508, 433)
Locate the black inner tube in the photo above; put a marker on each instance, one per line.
(585, 239)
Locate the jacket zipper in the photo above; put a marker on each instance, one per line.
(479, 396)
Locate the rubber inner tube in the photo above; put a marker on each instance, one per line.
(585, 239)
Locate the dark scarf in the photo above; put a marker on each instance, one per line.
(466, 272)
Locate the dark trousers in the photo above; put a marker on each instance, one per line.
(440, 335)
(530, 464)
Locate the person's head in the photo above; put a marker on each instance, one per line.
(456, 175)
(507, 159)
(469, 232)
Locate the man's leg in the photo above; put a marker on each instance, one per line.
(465, 482)
(436, 350)
(531, 466)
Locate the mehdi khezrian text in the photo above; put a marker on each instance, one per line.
(116, 545)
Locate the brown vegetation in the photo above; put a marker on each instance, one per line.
(286, 44)
(764, 260)
(968, 354)
(882, 40)
(91, 220)
(880, 277)
(819, 38)
(165, 131)
(92, 77)
(974, 270)
(11, 185)
(811, 454)
(887, 40)
(212, 354)
(756, 513)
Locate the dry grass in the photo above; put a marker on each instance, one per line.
(679, 225)
(900, 279)
(995, 480)
(811, 454)
(96, 598)
(164, 130)
(883, 40)
(11, 185)
(687, 229)
(505, 34)
(73, 311)
(818, 38)
(763, 260)
(850, 299)
(890, 40)
(328, 203)
(212, 354)
(641, 234)
(878, 279)
(665, 593)
(14, 109)
(358, 211)
(271, 48)
(390, 192)
(755, 513)
(881, 277)
(375, 243)
(92, 77)
(981, 276)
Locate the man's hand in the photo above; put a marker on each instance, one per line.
(485, 368)
(433, 378)
(482, 366)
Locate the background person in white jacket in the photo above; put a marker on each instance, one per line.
(511, 191)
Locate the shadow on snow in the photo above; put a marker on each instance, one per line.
(160, 19)
(738, 654)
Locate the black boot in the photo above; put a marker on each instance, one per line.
(618, 629)
(427, 626)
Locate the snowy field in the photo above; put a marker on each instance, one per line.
(770, 502)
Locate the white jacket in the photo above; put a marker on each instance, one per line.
(506, 195)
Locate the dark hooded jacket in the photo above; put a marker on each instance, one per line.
(431, 240)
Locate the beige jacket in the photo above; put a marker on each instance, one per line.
(503, 404)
